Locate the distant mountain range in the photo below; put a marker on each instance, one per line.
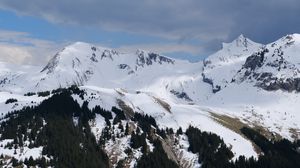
(245, 84)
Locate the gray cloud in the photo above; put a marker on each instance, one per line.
(205, 20)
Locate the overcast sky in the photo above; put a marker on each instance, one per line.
(32, 31)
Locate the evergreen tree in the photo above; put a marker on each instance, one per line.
(158, 158)
(179, 131)
(127, 129)
(67, 144)
(15, 162)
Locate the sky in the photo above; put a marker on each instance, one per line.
(32, 31)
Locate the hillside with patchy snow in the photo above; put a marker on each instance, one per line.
(243, 84)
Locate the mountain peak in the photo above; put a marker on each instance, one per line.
(290, 38)
(294, 36)
(287, 41)
(79, 43)
(76, 53)
(241, 36)
(240, 42)
(145, 57)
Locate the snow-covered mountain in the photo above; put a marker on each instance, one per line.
(82, 63)
(219, 68)
(276, 66)
(243, 84)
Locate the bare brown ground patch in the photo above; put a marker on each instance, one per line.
(295, 133)
(119, 92)
(127, 110)
(235, 125)
(162, 103)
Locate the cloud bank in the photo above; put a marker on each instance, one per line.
(177, 19)
(207, 22)
(21, 48)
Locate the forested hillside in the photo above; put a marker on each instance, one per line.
(62, 129)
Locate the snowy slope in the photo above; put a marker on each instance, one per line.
(264, 91)
(17, 78)
(82, 63)
(85, 64)
(179, 115)
(254, 84)
(276, 66)
(221, 67)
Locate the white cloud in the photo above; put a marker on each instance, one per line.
(14, 54)
(20, 48)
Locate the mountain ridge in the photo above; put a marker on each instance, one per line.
(221, 94)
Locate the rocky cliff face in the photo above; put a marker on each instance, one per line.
(243, 84)
(276, 66)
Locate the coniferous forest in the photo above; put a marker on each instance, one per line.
(213, 153)
(67, 144)
(149, 84)
(51, 126)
